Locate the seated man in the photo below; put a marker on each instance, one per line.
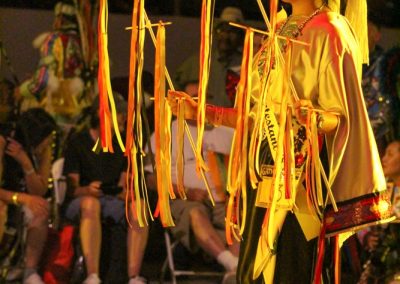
(89, 175)
(26, 154)
(197, 222)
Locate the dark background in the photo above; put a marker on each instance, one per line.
(387, 11)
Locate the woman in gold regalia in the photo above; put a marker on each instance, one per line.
(325, 75)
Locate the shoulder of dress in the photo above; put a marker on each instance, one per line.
(329, 24)
(333, 29)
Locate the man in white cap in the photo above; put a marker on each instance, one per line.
(226, 59)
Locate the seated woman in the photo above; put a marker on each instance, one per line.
(26, 154)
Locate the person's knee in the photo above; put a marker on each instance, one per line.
(90, 207)
(37, 219)
(197, 215)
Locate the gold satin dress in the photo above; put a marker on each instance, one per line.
(328, 73)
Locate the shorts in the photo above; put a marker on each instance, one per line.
(182, 230)
(111, 208)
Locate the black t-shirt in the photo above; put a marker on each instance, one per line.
(80, 159)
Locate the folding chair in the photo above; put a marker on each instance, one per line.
(12, 248)
(169, 263)
(59, 186)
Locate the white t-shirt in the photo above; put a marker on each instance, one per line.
(216, 139)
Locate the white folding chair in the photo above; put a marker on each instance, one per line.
(59, 189)
(59, 181)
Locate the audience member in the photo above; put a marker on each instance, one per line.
(197, 222)
(97, 183)
(26, 153)
(57, 83)
(382, 243)
(226, 57)
(381, 105)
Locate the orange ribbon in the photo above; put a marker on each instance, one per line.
(239, 151)
(205, 62)
(162, 133)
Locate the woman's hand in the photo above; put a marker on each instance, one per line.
(38, 205)
(302, 107)
(15, 150)
(327, 121)
(190, 104)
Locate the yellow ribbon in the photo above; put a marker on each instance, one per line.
(205, 62)
(105, 91)
(162, 133)
(239, 152)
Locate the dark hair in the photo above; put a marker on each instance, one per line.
(94, 119)
(375, 18)
(33, 126)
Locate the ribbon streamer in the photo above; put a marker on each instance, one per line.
(239, 151)
(205, 62)
(107, 117)
(134, 130)
(162, 133)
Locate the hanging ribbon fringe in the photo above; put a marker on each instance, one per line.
(179, 155)
(239, 151)
(180, 121)
(162, 133)
(107, 117)
(134, 130)
(205, 62)
(356, 13)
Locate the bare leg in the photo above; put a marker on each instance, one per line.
(35, 240)
(205, 234)
(90, 233)
(235, 247)
(137, 241)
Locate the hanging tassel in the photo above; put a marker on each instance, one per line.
(281, 156)
(207, 10)
(134, 130)
(187, 130)
(106, 116)
(356, 13)
(179, 151)
(162, 133)
(239, 152)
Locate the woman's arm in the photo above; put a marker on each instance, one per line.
(221, 116)
(214, 114)
(36, 179)
(76, 190)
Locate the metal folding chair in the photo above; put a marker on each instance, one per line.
(169, 264)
